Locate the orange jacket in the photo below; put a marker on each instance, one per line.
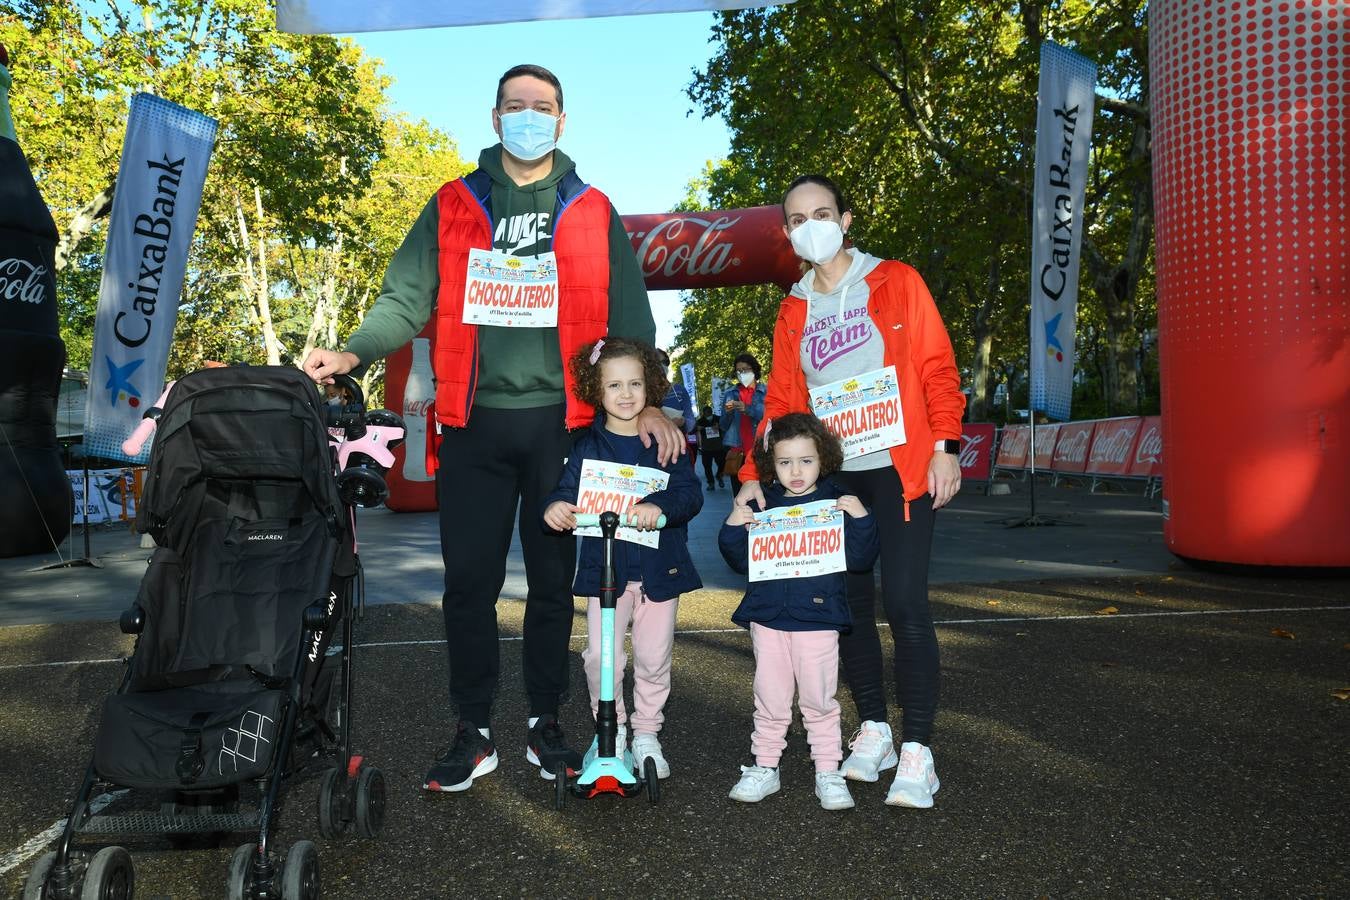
(916, 343)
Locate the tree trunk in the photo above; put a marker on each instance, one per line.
(982, 386)
(81, 224)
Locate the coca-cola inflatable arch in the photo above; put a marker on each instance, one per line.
(1249, 160)
(677, 251)
(35, 514)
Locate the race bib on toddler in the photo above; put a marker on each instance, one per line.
(863, 410)
(511, 291)
(797, 541)
(613, 487)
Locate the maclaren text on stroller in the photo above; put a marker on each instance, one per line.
(613, 770)
(230, 691)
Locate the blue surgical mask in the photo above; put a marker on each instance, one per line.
(528, 135)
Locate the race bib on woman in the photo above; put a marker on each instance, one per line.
(863, 411)
(511, 291)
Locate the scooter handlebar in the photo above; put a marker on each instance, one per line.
(146, 427)
(587, 520)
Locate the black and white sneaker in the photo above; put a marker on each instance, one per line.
(472, 755)
(546, 747)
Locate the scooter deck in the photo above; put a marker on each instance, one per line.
(608, 775)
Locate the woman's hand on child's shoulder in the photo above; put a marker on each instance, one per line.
(561, 515)
(851, 505)
(643, 516)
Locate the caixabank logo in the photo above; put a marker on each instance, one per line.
(119, 385)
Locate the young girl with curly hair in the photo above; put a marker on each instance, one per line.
(795, 622)
(622, 377)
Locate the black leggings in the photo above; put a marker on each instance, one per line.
(717, 456)
(905, 549)
(504, 457)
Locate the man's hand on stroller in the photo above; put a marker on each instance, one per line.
(321, 365)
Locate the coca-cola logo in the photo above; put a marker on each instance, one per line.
(418, 408)
(22, 280)
(1114, 447)
(970, 450)
(1150, 446)
(667, 250)
(1073, 448)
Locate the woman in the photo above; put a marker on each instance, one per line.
(742, 409)
(851, 314)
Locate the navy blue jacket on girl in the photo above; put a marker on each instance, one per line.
(817, 603)
(667, 571)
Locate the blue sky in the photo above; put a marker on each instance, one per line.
(629, 125)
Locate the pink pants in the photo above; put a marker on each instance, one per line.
(808, 660)
(653, 640)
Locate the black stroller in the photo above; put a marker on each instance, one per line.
(240, 680)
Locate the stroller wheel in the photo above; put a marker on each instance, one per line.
(560, 788)
(332, 800)
(653, 781)
(240, 885)
(300, 877)
(370, 802)
(110, 876)
(35, 888)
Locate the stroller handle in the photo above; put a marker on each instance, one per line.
(586, 520)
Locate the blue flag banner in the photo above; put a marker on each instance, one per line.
(159, 190)
(1063, 142)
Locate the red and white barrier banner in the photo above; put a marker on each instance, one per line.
(1071, 450)
(977, 456)
(1046, 441)
(1146, 460)
(1013, 448)
(713, 248)
(1113, 442)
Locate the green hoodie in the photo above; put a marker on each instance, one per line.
(518, 367)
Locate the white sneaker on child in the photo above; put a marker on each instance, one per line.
(620, 742)
(645, 745)
(832, 790)
(873, 750)
(757, 782)
(916, 780)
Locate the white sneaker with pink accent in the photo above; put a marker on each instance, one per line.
(916, 779)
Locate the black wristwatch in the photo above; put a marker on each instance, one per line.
(952, 447)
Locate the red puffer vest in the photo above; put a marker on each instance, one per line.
(581, 243)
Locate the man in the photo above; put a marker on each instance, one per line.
(503, 404)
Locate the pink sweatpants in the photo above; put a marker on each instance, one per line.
(653, 640)
(808, 660)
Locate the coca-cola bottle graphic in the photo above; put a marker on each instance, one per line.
(419, 398)
(35, 515)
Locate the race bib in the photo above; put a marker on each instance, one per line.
(511, 291)
(797, 541)
(712, 432)
(613, 487)
(863, 410)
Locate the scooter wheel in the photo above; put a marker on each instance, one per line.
(653, 782)
(560, 788)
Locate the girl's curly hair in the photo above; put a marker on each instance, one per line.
(588, 386)
(795, 425)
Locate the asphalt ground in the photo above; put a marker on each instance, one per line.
(1161, 732)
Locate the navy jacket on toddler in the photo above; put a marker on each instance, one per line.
(667, 570)
(817, 603)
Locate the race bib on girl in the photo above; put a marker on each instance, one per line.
(863, 411)
(613, 487)
(511, 291)
(797, 541)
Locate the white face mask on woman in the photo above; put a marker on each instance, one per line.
(817, 240)
(747, 378)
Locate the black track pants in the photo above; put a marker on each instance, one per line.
(504, 457)
(905, 549)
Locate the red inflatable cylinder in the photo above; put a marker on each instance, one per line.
(1249, 157)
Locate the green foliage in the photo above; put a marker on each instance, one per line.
(313, 182)
(925, 114)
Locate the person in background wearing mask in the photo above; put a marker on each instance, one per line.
(851, 314)
(679, 407)
(709, 430)
(742, 410)
(505, 410)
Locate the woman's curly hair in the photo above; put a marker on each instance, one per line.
(586, 376)
(795, 425)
